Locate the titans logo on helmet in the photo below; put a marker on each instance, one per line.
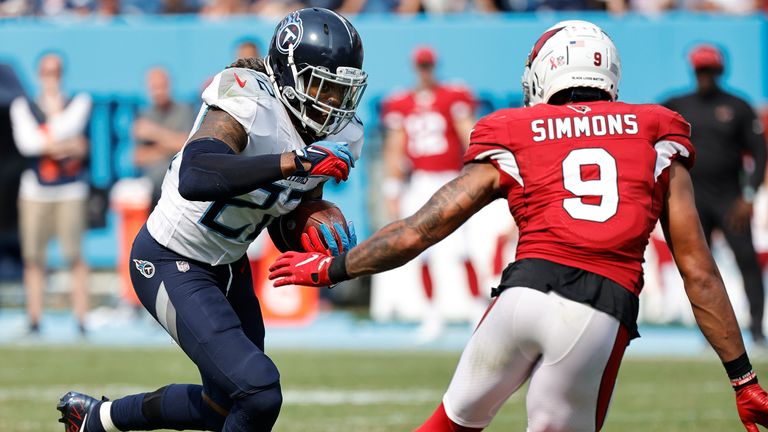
(291, 31)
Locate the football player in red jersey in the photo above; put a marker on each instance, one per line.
(427, 133)
(586, 178)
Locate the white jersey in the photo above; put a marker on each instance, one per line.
(219, 232)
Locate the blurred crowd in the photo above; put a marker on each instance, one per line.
(108, 9)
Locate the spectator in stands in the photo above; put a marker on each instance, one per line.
(247, 48)
(222, 8)
(724, 127)
(737, 7)
(176, 7)
(547, 5)
(427, 133)
(282, 7)
(51, 132)
(161, 130)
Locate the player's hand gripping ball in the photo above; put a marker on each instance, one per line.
(314, 226)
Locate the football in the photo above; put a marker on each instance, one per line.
(287, 229)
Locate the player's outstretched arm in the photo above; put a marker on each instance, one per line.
(709, 300)
(212, 169)
(399, 242)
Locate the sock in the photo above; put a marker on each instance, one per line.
(126, 413)
(472, 281)
(176, 406)
(426, 281)
(439, 422)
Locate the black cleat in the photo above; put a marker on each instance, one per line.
(75, 408)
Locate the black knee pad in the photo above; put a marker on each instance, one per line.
(264, 403)
(256, 412)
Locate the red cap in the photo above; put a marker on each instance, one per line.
(706, 56)
(424, 55)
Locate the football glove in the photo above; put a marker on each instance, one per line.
(311, 242)
(301, 268)
(326, 158)
(752, 403)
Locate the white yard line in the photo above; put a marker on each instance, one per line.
(317, 396)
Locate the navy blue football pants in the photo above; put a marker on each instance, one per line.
(214, 316)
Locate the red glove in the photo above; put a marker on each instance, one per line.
(752, 403)
(301, 268)
(310, 241)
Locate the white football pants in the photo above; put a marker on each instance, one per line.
(570, 351)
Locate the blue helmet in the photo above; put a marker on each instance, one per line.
(313, 53)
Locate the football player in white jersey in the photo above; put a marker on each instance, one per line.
(268, 134)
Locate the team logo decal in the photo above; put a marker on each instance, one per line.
(290, 32)
(724, 113)
(146, 268)
(183, 266)
(581, 109)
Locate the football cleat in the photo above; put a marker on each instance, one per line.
(75, 408)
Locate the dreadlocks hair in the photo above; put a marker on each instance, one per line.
(254, 63)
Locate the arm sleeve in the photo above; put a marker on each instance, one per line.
(27, 134)
(210, 170)
(73, 120)
(754, 140)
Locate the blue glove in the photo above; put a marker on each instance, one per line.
(326, 158)
(347, 242)
(311, 241)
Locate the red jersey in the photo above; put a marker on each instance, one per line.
(585, 182)
(427, 118)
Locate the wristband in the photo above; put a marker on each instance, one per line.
(337, 271)
(300, 170)
(740, 372)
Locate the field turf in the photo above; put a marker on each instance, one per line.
(356, 391)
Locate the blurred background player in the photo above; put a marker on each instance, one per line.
(567, 308)
(160, 130)
(427, 132)
(270, 133)
(724, 128)
(51, 132)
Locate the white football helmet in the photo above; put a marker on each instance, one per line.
(571, 54)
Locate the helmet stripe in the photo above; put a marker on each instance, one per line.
(540, 43)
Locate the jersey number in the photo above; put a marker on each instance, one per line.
(426, 134)
(271, 194)
(605, 186)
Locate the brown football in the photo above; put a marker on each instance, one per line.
(287, 229)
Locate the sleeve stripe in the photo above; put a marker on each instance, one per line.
(665, 152)
(506, 161)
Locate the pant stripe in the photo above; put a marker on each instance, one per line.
(166, 312)
(485, 314)
(609, 376)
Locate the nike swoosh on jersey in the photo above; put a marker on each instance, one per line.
(240, 82)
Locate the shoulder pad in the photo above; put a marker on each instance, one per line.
(238, 82)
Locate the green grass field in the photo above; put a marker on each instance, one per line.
(355, 391)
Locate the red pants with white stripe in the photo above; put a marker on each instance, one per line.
(570, 351)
